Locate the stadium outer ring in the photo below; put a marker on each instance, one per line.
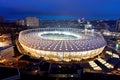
(82, 49)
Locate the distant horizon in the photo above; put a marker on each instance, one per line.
(60, 9)
(57, 17)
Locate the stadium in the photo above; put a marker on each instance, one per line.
(61, 44)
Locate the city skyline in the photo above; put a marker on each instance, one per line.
(63, 9)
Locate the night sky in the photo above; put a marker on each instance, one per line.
(46, 9)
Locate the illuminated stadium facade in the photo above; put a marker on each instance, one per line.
(61, 44)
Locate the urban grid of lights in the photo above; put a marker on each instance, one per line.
(112, 54)
(79, 47)
(94, 65)
(108, 65)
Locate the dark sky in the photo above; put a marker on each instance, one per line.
(90, 9)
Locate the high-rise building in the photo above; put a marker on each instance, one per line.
(20, 22)
(118, 25)
(32, 21)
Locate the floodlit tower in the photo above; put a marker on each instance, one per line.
(79, 21)
(88, 28)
